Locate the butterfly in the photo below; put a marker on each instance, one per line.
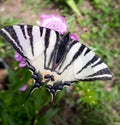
(55, 59)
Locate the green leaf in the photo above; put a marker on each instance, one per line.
(74, 7)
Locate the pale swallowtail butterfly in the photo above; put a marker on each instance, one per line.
(53, 58)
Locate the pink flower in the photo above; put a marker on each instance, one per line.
(23, 88)
(73, 36)
(20, 59)
(57, 23)
(54, 22)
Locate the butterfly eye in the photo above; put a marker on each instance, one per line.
(47, 76)
(52, 78)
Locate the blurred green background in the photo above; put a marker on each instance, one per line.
(88, 103)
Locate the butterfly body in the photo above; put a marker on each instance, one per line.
(53, 58)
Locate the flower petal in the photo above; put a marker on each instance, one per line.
(22, 64)
(73, 36)
(54, 22)
(23, 88)
(20, 59)
(17, 57)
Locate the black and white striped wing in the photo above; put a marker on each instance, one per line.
(31, 42)
(91, 67)
(83, 64)
(28, 40)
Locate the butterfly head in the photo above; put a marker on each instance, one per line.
(47, 78)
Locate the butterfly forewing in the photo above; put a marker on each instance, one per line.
(82, 64)
(26, 39)
(89, 66)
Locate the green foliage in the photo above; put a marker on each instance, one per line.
(70, 23)
(65, 5)
(89, 103)
(73, 5)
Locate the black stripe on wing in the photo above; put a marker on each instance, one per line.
(53, 52)
(13, 35)
(60, 50)
(29, 30)
(22, 27)
(46, 44)
(76, 55)
(96, 78)
(99, 62)
(68, 49)
(62, 46)
(102, 73)
(41, 31)
(95, 58)
(87, 51)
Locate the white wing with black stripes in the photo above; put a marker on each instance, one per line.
(54, 58)
(80, 63)
(26, 39)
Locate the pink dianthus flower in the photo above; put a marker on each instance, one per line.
(20, 59)
(57, 23)
(54, 22)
